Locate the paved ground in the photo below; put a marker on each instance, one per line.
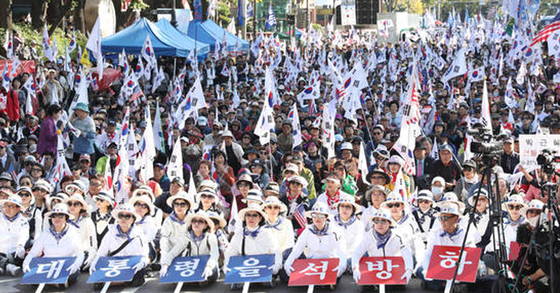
(346, 285)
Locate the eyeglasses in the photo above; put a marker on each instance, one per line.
(377, 177)
(142, 205)
(396, 205)
(515, 207)
(181, 204)
(95, 184)
(345, 206)
(446, 218)
(243, 184)
(99, 199)
(273, 207)
(198, 221)
(141, 193)
(124, 216)
(468, 169)
(74, 204)
(25, 194)
(380, 221)
(421, 201)
(377, 133)
(206, 196)
(255, 215)
(533, 211)
(10, 206)
(58, 216)
(318, 216)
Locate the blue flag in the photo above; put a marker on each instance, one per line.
(250, 10)
(270, 19)
(197, 13)
(240, 16)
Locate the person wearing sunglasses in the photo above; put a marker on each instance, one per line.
(30, 212)
(155, 212)
(127, 235)
(406, 227)
(279, 227)
(208, 201)
(174, 228)
(320, 240)
(14, 229)
(59, 240)
(253, 239)
(424, 212)
(41, 191)
(244, 184)
(481, 220)
(381, 241)
(513, 206)
(350, 227)
(448, 233)
(144, 208)
(83, 223)
(219, 229)
(102, 216)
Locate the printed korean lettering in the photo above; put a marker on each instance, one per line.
(187, 268)
(315, 269)
(450, 258)
(250, 268)
(52, 269)
(384, 270)
(115, 266)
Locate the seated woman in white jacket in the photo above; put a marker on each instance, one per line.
(144, 208)
(125, 239)
(156, 213)
(254, 239)
(84, 225)
(351, 229)
(381, 241)
(279, 227)
(514, 205)
(200, 240)
(14, 231)
(174, 229)
(320, 240)
(59, 240)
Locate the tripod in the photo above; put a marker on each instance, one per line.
(496, 219)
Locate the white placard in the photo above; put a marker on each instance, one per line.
(532, 145)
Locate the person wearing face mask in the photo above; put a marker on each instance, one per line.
(533, 211)
(381, 241)
(438, 187)
(470, 178)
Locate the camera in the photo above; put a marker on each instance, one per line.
(484, 142)
(547, 159)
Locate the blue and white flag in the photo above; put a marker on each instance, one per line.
(270, 19)
(250, 10)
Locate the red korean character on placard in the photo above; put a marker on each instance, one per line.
(444, 262)
(313, 272)
(382, 270)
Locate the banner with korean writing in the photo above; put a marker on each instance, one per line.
(314, 272)
(114, 269)
(382, 270)
(444, 262)
(250, 268)
(532, 145)
(48, 270)
(186, 269)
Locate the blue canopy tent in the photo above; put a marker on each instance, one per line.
(209, 32)
(164, 42)
(164, 25)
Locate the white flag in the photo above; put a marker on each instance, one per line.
(175, 165)
(159, 141)
(94, 41)
(457, 68)
(485, 119)
(296, 126)
(47, 49)
(147, 149)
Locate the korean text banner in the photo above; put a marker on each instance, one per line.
(114, 269)
(186, 269)
(250, 268)
(48, 270)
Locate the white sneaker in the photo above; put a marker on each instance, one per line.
(13, 270)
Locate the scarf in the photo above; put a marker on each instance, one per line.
(450, 235)
(122, 234)
(423, 215)
(253, 234)
(322, 232)
(290, 198)
(105, 217)
(381, 239)
(275, 225)
(478, 216)
(111, 135)
(75, 223)
(12, 218)
(473, 180)
(345, 224)
(196, 238)
(403, 218)
(331, 200)
(515, 223)
(174, 218)
(58, 235)
(143, 220)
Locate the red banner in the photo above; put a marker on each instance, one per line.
(382, 270)
(444, 262)
(313, 272)
(514, 248)
(25, 66)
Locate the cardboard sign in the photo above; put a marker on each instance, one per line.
(444, 259)
(250, 269)
(382, 270)
(514, 248)
(48, 270)
(186, 269)
(314, 272)
(114, 269)
(532, 145)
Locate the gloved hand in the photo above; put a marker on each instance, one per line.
(407, 274)
(137, 267)
(357, 275)
(163, 270)
(73, 268)
(88, 261)
(92, 266)
(226, 270)
(20, 252)
(25, 268)
(339, 270)
(207, 273)
(288, 268)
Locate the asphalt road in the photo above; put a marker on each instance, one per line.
(346, 285)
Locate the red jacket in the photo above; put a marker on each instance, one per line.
(12, 105)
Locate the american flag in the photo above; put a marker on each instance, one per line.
(299, 215)
(543, 35)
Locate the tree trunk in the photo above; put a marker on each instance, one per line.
(60, 16)
(36, 15)
(79, 20)
(6, 14)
